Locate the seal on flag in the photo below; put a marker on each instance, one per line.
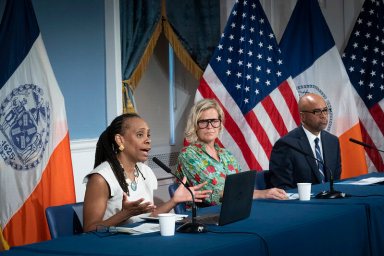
(24, 126)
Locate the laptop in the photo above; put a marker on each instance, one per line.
(236, 202)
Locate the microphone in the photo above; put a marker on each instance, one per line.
(364, 144)
(332, 193)
(189, 227)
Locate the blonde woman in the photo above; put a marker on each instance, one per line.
(204, 160)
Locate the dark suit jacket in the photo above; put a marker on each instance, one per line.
(288, 166)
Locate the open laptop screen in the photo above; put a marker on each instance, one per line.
(237, 199)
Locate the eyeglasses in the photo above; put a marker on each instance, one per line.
(318, 112)
(203, 123)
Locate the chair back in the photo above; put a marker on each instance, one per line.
(63, 221)
(181, 207)
(262, 180)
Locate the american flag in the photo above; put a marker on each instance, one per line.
(246, 75)
(364, 60)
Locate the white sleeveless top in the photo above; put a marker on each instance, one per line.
(144, 189)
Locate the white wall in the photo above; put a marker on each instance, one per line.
(83, 157)
(151, 95)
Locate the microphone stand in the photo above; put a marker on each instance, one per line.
(189, 227)
(332, 193)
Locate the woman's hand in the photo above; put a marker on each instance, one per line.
(273, 193)
(133, 208)
(183, 195)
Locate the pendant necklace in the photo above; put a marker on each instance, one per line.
(133, 184)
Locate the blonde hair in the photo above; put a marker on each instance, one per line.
(194, 115)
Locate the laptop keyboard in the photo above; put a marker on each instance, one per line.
(208, 219)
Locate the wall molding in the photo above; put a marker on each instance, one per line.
(83, 145)
(83, 157)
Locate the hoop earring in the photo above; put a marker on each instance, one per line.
(121, 147)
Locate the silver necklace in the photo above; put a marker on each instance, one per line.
(133, 184)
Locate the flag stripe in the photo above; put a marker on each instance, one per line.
(349, 151)
(258, 129)
(275, 116)
(377, 115)
(14, 44)
(55, 173)
(289, 95)
(316, 32)
(374, 137)
(374, 155)
(210, 79)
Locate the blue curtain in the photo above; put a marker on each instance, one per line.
(193, 29)
(191, 26)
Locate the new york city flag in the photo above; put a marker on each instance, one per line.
(35, 160)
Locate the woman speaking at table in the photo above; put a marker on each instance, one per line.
(204, 160)
(120, 188)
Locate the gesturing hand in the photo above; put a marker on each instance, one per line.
(183, 195)
(133, 208)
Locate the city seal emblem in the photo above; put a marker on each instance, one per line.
(24, 127)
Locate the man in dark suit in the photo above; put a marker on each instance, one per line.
(288, 166)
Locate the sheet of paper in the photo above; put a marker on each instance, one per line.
(362, 182)
(140, 229)
(294, 196)
(147, 228)
(178, 217)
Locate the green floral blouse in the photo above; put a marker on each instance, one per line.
(198, 166)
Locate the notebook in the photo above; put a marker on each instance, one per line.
(236, 202)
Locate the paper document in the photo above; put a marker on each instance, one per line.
(141, 229)
(178, 217)
(367, 181)
(294, 196)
